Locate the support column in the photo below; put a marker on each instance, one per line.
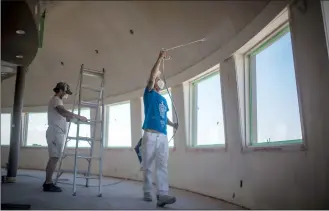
(136, 120)
(180, 96)
(15, 137)
(311, 62)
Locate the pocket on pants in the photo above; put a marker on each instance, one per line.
(59, 140)
(148, 149)
(55, 142)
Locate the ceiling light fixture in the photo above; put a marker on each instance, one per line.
(20, 31)
(19, 56)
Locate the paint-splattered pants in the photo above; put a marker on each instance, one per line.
(155, 147)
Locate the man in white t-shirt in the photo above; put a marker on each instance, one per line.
(56, 132)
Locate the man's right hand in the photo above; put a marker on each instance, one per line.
(83, 119)
(162, 54)
(175, 126)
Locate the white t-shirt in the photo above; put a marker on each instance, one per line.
(54, 118)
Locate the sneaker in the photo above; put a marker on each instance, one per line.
(165, 199)
(147, 196)
(43, 185)
(51, 188)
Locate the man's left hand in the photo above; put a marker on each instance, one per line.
(175, 126)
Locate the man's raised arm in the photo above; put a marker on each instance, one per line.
(170, 123)
(155, 71)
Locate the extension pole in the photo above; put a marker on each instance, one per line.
(183, 45)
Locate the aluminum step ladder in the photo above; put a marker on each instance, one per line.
(98, 121)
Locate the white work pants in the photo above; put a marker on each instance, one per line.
(155, 146)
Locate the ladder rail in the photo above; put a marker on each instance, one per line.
(102, 139)
(99, 118)
(77, 136)
(92, 146)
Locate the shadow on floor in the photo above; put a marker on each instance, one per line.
(125, 195)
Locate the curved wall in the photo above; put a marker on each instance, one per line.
(271, 180)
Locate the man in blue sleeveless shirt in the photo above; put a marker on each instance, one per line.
(155, 141)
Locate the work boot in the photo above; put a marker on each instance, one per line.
(165, 199)
(147, 196)
(51, 188)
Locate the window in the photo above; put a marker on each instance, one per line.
(119, 125)
(36, 129)
(5, 129)
(272, 103)
(84, 130)
(325, 14)
(170, 130)
(207, 111)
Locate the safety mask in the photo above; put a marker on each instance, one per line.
(160, 84)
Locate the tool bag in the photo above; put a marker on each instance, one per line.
(138, 150)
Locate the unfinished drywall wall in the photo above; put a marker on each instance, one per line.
(271, 180)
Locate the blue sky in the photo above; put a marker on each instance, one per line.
(277, 103)
(210, 124)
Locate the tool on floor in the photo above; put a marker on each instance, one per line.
(98, 107)
(7, 206)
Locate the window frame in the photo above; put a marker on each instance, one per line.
(107, 123)
(11, 119)
(250, 95)
(25, 123)
(192, 143)
(163, 92)
(25, 129)
(325, 15)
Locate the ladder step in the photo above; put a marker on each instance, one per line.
(88, 157)
(82, 156)
(94, 73)
(81, 138)
(83, 172)
(90, 88)
(90, 122)
(89, 104)
(90, 177)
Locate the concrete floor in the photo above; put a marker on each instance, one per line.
(125, 195)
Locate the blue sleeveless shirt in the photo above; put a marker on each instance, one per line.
(155, 111)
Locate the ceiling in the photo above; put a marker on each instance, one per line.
(19, 35)
(75, 29)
